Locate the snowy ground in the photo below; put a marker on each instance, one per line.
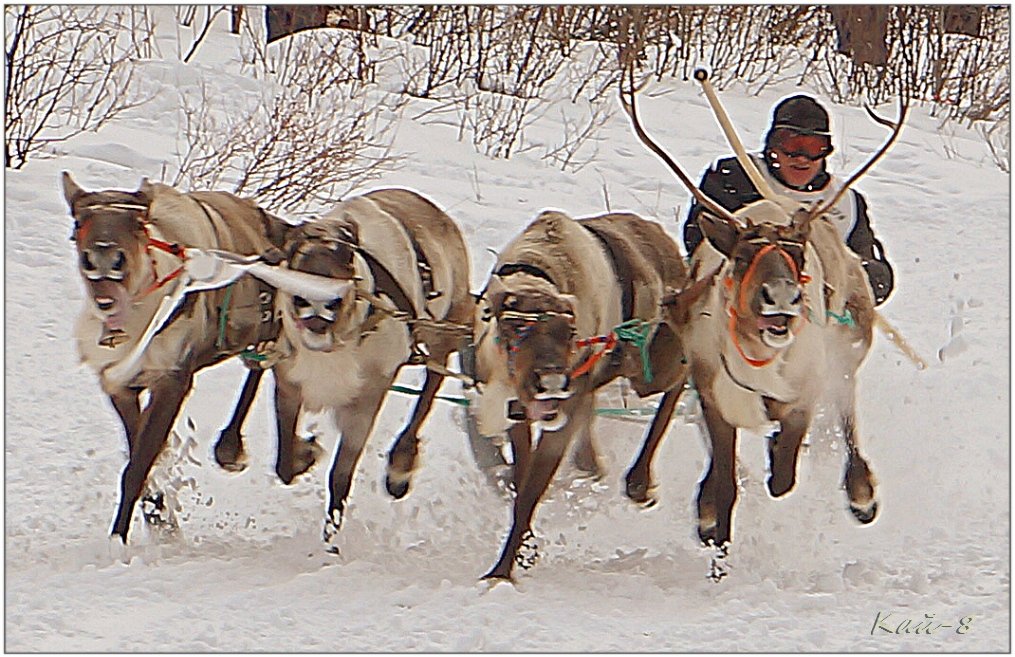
(249, 572)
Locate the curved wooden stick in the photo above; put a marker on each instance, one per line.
(895, 336)
(733, 138)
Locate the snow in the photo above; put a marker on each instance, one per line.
(249, 572)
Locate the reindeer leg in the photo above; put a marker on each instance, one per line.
(859, 480)
(355, 420)
(537, 475)
(128, 407)
(295, 455)
(154, 424)
(402, 455)
(639, 476)
(784, 446)
(520, 435)
(584, 454)
(717, 493)
(229, 453)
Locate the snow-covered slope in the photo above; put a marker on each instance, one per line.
(249, 572)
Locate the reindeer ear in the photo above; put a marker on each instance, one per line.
(720, 233)
(276, 228)
(496, 294)
(71, 191)
(146, 190)
(801, 225)
(571, 303)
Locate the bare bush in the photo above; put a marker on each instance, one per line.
(188, 17)
(440, 56)
(69, 70)
(316, 133)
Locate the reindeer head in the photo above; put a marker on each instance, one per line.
(324, 249)
(534, 328)
(764, 283)
(113, 248)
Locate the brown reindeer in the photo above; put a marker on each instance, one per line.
(547, 317)
(779, 317)
(406, 301)
(130, 258)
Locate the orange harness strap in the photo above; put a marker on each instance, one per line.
(609, 340)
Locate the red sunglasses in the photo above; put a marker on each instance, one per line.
(794, 144)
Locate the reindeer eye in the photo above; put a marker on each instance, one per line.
(121, 260)
(766, 297)
(300, 302)
(86, 262)
(796, 298)
(333, 304)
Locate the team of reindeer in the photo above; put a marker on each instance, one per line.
(745, 321)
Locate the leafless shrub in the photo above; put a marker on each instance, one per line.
(514, 61)
(69, 70)
(440, 56)
(998, 139)
(315, 134)
(201, 28)
(589, 78)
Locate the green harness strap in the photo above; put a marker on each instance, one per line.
(247, 354)
(846, 318)
(461, 401)
(637, 332)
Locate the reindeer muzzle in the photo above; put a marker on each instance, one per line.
(317, 325)
(112, 302)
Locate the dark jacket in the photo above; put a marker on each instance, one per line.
(728, 185)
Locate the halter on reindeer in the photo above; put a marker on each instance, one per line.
(779, 317)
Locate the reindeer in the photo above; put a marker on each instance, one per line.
(543, 326)
(780, 316)
(404, 273)
(130, 258)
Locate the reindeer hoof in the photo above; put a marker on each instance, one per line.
(710, 538)
(332, 524)
(229, 458)
(640, 493)
(493, 579)
(779, 486)
(398, 486)
(865, 513)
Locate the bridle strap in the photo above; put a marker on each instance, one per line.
(609, 340)
(166, 247)
(753, 362)
(742, 302)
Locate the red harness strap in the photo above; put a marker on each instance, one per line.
(170, 248)
(609, 340)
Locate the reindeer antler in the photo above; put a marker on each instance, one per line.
(632, 112)
(896, 129)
